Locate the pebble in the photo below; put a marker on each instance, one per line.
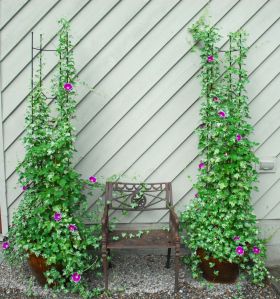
(132, 277)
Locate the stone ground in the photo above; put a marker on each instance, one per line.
(135, 276)
(275, 271)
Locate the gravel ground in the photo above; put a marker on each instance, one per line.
(132, 277)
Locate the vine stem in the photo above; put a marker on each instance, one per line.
(32, 75)
(240, 67)
(207, 125)
(40, 57)
(230, 97)
(67, 76)
(96, 258)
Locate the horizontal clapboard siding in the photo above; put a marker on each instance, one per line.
(140, 118)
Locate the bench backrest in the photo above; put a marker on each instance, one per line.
(138, 196)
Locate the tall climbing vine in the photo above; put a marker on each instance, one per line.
(50, 219)
(220, 218)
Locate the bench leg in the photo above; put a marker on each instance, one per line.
(105, 269)
(168, 258)
(177, 266)
(109, 254)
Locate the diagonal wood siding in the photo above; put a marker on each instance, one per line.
(141, 117)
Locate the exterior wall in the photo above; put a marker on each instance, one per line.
(141, 117)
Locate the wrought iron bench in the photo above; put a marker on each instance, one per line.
(140, 197)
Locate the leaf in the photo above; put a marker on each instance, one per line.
(62, 182)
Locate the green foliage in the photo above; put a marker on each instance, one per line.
(222, 209)
(53, 186)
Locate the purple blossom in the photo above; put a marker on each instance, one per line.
(57, 216)
(25, 187)
(76, 277)
(196, 195)
(216, 99)
(5, 245)
(201, 165)
(72, 227)
(222, 114)
(256, 250)
(239, 250)
(238, 137)
(210, 58)
(68, 86)
(93, 179)
(236, 238)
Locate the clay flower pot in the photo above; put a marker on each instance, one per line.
(228, 272)
(38, 266)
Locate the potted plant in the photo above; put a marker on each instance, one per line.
(48, 227)
(221, 229)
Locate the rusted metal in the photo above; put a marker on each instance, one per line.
(153, 239)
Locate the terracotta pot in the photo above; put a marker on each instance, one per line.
(228, 272)
(38, 266)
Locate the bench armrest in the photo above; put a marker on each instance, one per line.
(104, 222)
(174, 219)
(174, 224)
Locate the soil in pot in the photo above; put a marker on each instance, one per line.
(228, 272)
(38, 266)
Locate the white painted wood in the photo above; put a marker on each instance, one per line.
(263, 47)
(271, 228)
(18, 27)
(265, 100)
(271, 146)
(267, 124)
(263, 19)
(269, 202)
(270, 67)
(3, 193)
(126, 40)
(8, 10)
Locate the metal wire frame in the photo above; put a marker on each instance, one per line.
(40, 49)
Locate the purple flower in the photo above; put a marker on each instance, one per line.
(238, 137)
(236, 238)
(196, 195)
(201, 165)
(93, 179)
(210, 58)
(72, 227)
(76, 277)
(5, 245)
(222, 114)
(202, 125)
(57, 216)
(216, 99)
(68, 86)
(256, 250)
(239, 250)
(27, 186)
